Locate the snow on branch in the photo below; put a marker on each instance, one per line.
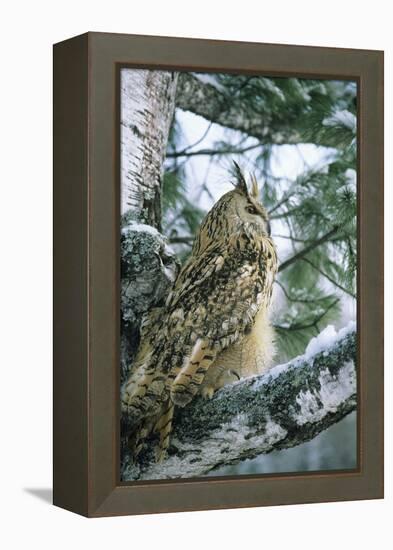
(289, 405)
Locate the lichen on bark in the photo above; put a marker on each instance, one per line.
(148, 269)
(289, 405)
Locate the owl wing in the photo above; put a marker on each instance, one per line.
(221, 294)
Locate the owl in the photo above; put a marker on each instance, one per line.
(214, 327)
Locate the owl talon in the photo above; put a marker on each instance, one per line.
(207, 392)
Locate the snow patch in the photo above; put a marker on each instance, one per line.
(320, 342)
(327, 339)
(211, 80)
(350, 175)
(141, 228)
(341, 118)
(334, 391)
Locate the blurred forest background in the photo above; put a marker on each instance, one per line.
(298, 136)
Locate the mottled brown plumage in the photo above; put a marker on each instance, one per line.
(214, 327)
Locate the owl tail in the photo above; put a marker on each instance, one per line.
(136, 439)
(187, 380)
(143, 394)
(164, 428)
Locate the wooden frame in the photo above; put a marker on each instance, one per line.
(86, 274)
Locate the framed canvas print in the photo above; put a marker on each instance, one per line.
(218, 261)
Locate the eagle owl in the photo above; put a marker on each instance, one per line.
(214, 327)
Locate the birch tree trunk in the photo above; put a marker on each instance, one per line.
(148, 267)
(147, 106)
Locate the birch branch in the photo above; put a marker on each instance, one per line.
(289, 405)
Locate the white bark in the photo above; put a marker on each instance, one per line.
(147, 105)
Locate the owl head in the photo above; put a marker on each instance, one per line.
(247, 205)
(237, 211)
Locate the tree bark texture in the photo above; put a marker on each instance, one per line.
(289, 405)
(148, 270)
(148, 266)
(147, 106)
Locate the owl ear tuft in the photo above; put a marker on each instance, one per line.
(240, 182)
(254, 188)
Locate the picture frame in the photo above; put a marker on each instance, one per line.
(87, 274)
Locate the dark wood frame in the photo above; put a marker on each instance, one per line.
(86, 274)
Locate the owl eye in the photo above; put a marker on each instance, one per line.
(251, 210)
